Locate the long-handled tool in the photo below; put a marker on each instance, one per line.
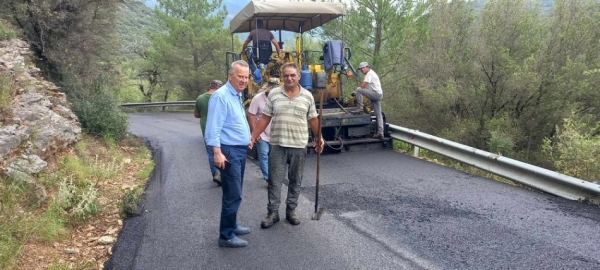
(319, 211)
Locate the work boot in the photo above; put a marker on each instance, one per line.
(291, 216)
(272, 218)
(217, 177)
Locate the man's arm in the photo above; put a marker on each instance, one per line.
(262, 124)
(214, 125)
(260, 127)
(276, 47)
(197, 113)
(215, 121)
(252, 111)
(364, 85)
(368, 78)
(245, 45)
(251, 120)
(314, 126)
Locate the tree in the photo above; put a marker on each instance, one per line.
(191, 53)
(374, 29)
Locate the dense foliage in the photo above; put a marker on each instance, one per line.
(73, 42)
(506, 77)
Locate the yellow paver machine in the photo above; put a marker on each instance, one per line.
(322, 71)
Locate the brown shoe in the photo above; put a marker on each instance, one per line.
(377, 136)
(292, 218)
(272, 218)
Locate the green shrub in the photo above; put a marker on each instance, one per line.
(574, 150)
(131, 201)
(78, 201)
(501, 143)
(101, 116)
(502, 135)
(6, 32)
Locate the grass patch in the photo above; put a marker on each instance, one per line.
(9, 246)
(52, 224)
(14, 228)
(145, 173)
(7, 92)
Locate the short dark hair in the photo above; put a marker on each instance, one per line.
(259, 23)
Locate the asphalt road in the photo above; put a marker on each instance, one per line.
(383, 210)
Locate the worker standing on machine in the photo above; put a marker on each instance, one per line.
(370, 88)
(260, 33)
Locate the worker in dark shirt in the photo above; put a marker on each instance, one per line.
(260, 33)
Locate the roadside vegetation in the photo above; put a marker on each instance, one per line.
(89, 191)
(91, 188)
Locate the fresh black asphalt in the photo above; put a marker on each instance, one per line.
(383, 210)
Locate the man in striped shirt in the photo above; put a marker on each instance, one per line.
(290, 109)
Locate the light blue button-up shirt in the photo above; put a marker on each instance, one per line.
(226, 123)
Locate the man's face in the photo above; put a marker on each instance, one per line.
(239, 77)
(364, 70)
(290, 77)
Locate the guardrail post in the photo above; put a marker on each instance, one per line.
(415, 150)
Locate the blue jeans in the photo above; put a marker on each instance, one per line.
(211, 159)
(232, 179)
(263, 157)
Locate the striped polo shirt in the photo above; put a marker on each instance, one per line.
(289, 117)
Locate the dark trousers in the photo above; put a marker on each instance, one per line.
(232, 179)
(280, 159)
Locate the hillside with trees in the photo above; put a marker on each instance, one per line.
(135, 22)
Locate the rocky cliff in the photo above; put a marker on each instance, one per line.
(38, 123)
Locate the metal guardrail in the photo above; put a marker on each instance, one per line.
(543, 179)
(160, 104)
(546, 180)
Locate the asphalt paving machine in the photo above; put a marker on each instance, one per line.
(322, 73)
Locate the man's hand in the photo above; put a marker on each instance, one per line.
(252, 141)
(220, 160)
(319, 145)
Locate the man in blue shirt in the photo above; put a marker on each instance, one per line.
(228, 133)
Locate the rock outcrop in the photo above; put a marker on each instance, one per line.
(38, 123)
